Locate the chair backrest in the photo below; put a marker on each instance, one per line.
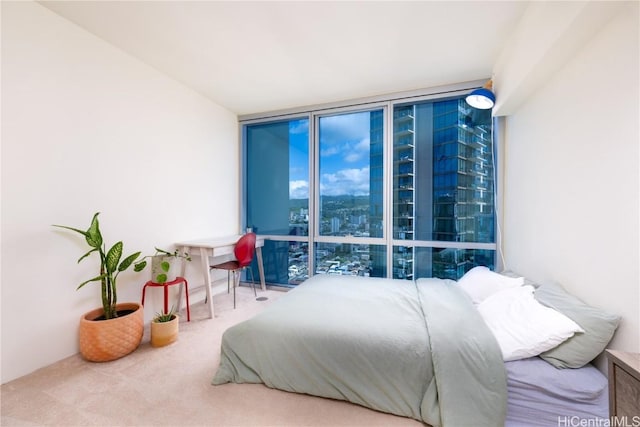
(245, 248)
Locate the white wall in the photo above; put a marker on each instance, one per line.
(571, 190)
(87, 128)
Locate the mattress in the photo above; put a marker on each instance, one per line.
(541, 395)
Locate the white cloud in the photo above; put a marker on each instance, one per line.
(346, 181)
(344, 133)
(329, 151)
(357, 151)
(298, 189)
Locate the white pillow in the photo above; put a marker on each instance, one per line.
(480, 282)
(522, 326)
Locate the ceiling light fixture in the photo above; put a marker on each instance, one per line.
(483, 98)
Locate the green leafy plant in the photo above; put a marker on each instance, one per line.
(162, 317)
(110, 264)
(164, 265)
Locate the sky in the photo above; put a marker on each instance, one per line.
(344, 155)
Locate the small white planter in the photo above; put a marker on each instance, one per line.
(164, 268)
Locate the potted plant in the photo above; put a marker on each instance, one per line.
(164, 264)
(114, 330)
(164, 328)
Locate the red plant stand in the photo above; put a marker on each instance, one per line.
(177, 281)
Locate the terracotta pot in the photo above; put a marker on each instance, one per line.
(105, 340)
(164, 333)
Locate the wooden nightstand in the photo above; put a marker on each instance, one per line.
(624, 383)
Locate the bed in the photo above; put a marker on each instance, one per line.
(419, 349)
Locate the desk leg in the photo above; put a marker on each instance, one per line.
(183, 270)
(206, 274)
(261, 268)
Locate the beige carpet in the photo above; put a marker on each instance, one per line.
(171, 386)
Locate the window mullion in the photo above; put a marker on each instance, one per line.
(313, 192)
(388, 170)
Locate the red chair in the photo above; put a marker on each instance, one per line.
(244, 250)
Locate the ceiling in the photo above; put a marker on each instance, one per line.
(252, 57)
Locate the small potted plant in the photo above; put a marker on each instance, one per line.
(115, 329)
(164, 328)
(164, 264)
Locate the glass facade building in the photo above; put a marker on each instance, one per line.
(443, 187)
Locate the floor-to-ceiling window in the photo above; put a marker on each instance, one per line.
(350, 214)
(401, 189)
(276, 201)
(443, 189)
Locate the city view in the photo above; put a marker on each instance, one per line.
(343, 216)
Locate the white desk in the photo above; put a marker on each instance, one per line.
(215, 247)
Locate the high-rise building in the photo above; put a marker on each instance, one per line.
(404, 197)
(335, 225)
(442, 186)
(463, 184)
(377, 253)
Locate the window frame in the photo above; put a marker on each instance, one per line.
(387, 103)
